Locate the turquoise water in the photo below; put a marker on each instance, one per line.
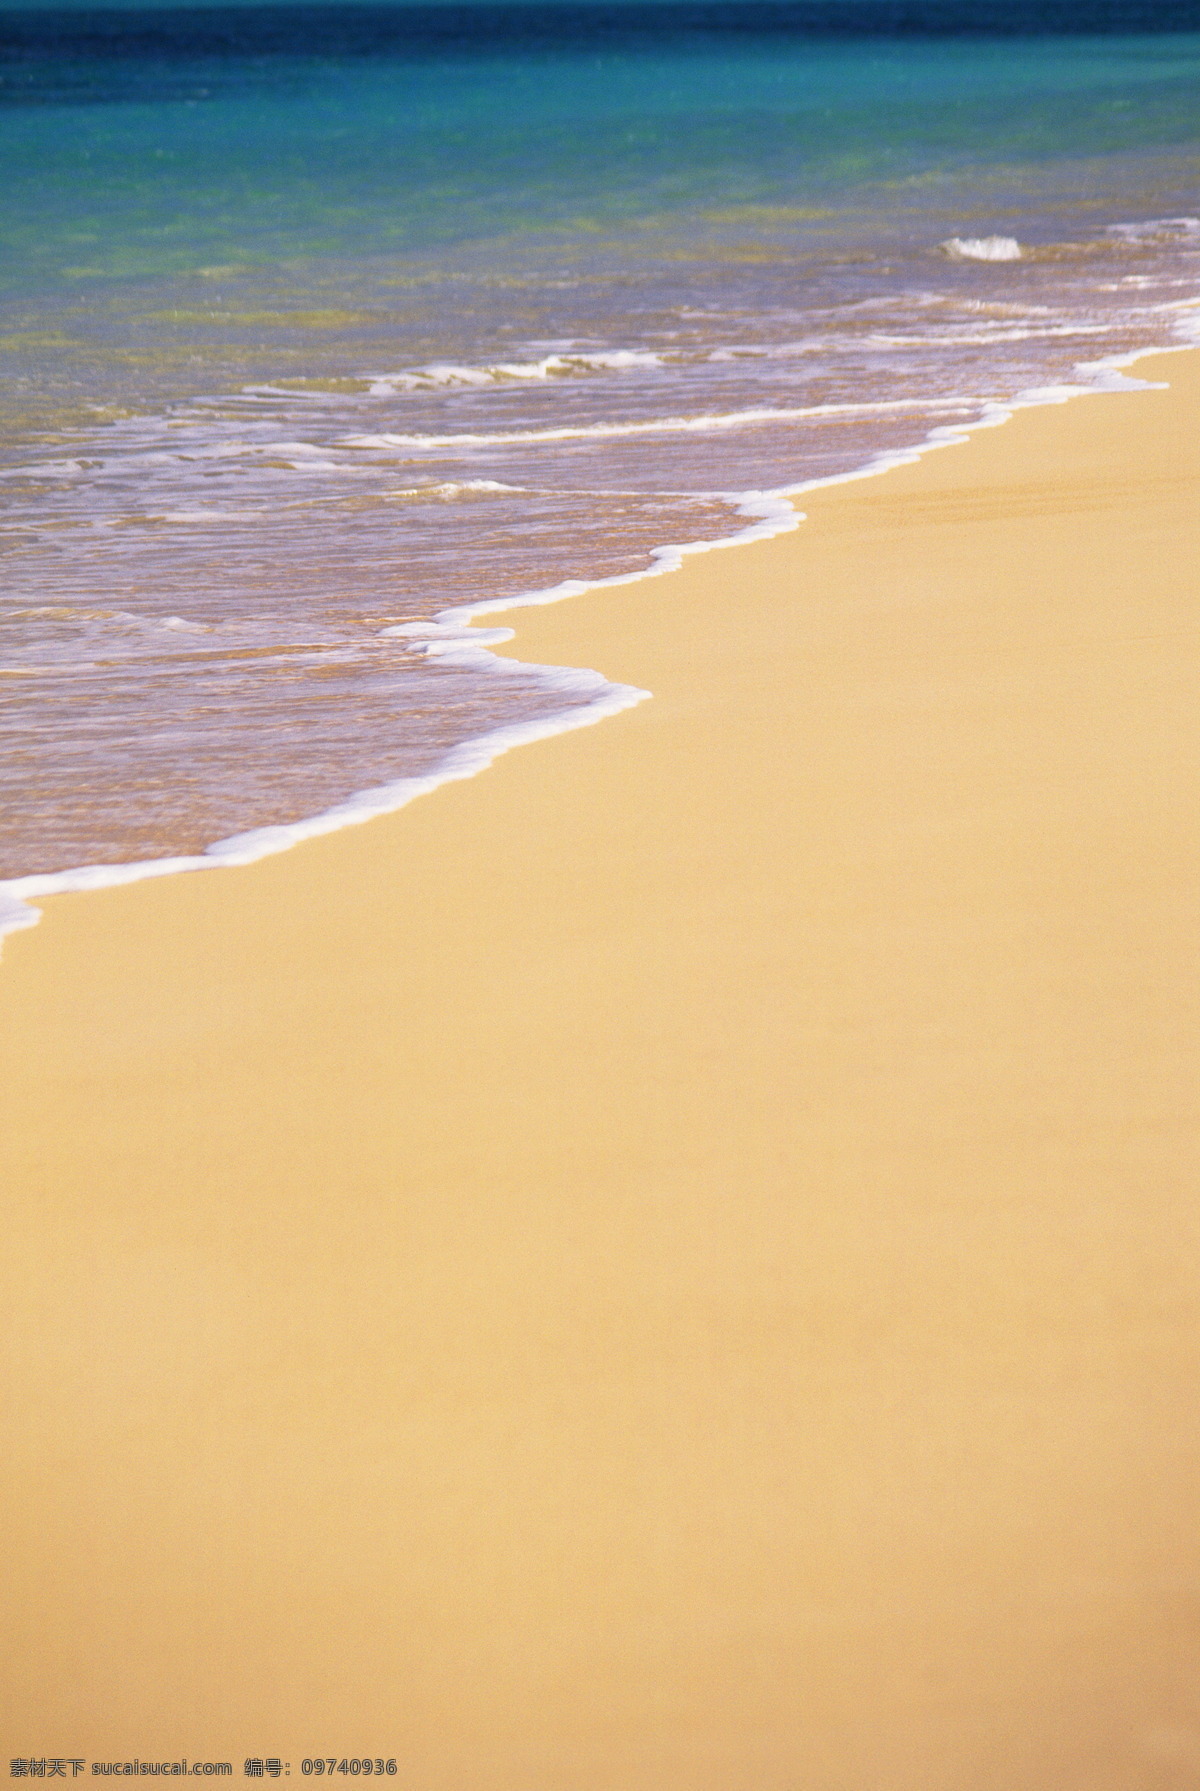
(317, 322)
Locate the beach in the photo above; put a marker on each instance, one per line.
(671, 1264)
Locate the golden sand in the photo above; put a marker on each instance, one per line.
(673, 1265)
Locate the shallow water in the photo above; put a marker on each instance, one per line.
(319, 322)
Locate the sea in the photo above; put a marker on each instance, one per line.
(326, 328)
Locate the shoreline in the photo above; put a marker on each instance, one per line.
(676, 1264)
(778, 514)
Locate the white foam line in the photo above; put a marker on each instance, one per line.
(773, 513)
(467, 760)
(776, 513)
(734, 419)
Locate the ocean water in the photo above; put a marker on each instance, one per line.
(319, 323)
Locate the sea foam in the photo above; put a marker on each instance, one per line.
(982, 248)
(766, 514)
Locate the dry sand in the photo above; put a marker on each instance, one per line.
(672, 1266)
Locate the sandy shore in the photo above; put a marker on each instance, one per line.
(672, 1266)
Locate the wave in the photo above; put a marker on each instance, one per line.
(446, 637)
(736, 419)
(1157, 231)
(449, 637)
(1151, 232)
(982, 248)
(200, 516)
(449, 489)
(601, 699)
(441, 374)
(768, 513)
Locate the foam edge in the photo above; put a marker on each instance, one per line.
(771, 513)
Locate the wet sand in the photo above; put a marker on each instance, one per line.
(673, 1265)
